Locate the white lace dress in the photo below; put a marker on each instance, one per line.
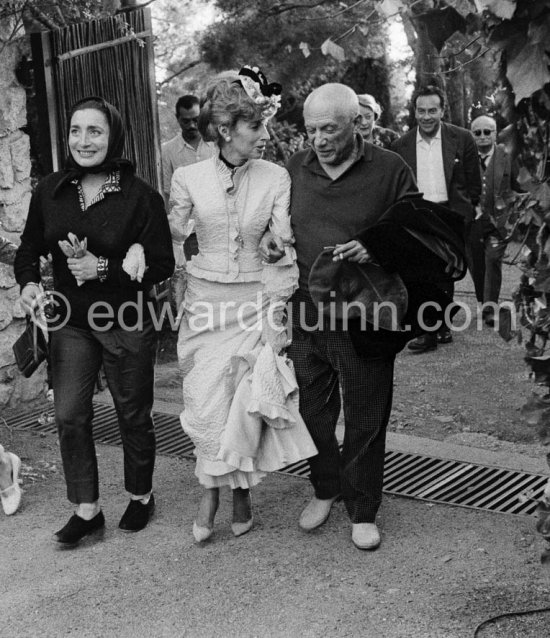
(239, 392)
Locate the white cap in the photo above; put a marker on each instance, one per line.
(365, 99)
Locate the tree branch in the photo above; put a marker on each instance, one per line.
(460, 66)
(10, 12)
(133, 5)
(276, 10)
(339, 13)
(42, 17)
(16, 27)
(443, 57)
(59, 13)
(174, 75)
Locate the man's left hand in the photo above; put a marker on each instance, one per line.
(353, 251)
(271, 248)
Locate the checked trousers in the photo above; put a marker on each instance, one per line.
(331, 373)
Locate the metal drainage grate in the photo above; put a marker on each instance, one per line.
(171, 439)
(412, 475)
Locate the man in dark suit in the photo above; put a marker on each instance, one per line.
(487, 239)
(444, 159)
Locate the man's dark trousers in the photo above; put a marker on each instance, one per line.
(324, 361)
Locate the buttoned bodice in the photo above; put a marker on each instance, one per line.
(232, 209)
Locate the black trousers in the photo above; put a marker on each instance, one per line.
(128, 361)
(488, 249)
(325, 362)
(449, 287)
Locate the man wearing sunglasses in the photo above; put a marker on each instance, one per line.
(487, 239)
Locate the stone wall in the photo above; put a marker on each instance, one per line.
(15, 192)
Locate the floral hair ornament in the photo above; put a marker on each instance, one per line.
(259, 91)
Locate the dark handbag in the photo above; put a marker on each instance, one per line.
(30, 349)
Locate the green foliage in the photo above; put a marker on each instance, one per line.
(287, 42)
(523, 38)
(531, 213)
(524, 41)
(285, 140)
(38, 15)
(175, 23)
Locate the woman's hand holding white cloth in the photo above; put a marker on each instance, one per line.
(134, 262)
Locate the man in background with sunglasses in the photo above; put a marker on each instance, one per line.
(488, 236)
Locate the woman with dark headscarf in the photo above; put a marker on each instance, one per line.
(109, 239)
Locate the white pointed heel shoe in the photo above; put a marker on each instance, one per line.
(239, 529)
(11, 496)
(207, 512)
(242, 506)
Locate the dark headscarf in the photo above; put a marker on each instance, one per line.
(113, 160)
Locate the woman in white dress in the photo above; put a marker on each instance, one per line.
(239, 389)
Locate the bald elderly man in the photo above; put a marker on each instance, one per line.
(340, 186)
(487, 239)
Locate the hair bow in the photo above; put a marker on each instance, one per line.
(256, 86)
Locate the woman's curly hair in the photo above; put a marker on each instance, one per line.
(225, 103)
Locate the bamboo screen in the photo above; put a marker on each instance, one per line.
(112, 58)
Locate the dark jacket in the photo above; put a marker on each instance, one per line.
(460, 165)
(499, 181)
(135, 214)
(423, 243)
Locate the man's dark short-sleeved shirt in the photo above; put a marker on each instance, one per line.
(325, 212)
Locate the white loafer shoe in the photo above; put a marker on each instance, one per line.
(316, 512)
(365, 535)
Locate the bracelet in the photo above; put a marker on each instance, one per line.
(102, 268)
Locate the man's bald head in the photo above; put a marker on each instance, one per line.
(339, 98)
(331, 116)
(484, 121)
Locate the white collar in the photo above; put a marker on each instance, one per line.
(419, 137)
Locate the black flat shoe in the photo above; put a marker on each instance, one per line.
(75, 530)
(444, 336)
(424, 343)
(137, 515)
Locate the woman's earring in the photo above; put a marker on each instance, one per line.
(228, 139)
